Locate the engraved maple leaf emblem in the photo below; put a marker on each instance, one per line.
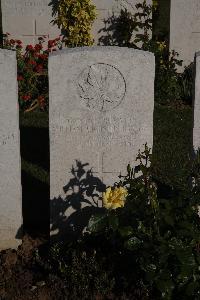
(102, 86)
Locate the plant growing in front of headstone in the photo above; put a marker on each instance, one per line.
(75, 19)
(83, 275)
(152, 238)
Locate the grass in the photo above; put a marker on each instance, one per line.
(171, 152)
(34, 140)
(172, 144)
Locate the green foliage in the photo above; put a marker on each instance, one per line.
(75, 18)
(155, 237)
(186, 82)
(135, 30)
(32, 72)
(81, 271)
(167, 79)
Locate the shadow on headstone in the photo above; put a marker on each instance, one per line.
(82, 200)
(54, 5)
(117, 30)
(1, 28)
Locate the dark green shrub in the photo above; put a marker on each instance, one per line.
(82, 272)
(186, 82)
(135, 31)
(154, 239)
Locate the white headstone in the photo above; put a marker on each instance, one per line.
(28, 19)
(10, 167)
(196, 130)
(185, 28)
(100, 113)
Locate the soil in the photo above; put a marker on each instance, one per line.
(22, 278)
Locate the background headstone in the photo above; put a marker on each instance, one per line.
(185, 28)
(28, 19)
(196, 131)
(100, 113)
(108, 8)
(10, 166)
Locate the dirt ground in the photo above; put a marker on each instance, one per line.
(22, 278)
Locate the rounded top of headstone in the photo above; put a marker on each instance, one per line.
(102, 49)
(7, 52)
(197, 54)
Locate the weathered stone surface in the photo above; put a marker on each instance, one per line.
(196, 131)
(101, 114)
(28, 19)
(185, 28)
(10, 168)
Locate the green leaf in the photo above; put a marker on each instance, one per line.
(97, 223)
(133, 243)
(169, 220)
(150, 272)
(192, 288)
(113, 222)
(165, 287)
(126, 231)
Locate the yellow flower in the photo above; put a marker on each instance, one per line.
(155, 3)
(115, 198)
(161, 45)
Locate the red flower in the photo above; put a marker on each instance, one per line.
(18, 42)
(26, 97)
(39, 68)
(31, 62)
(29, 48)
(20, 77)
(50, 43)
(12, 41)
(38, 47)
(43, 56)
(41, 100)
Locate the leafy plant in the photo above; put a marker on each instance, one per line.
(75, 18)
(32, 74)
(81, 270)
(134, 30)
(155, 237)
(186, 82)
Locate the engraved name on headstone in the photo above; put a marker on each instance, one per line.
(10, 167)
(100, 114)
